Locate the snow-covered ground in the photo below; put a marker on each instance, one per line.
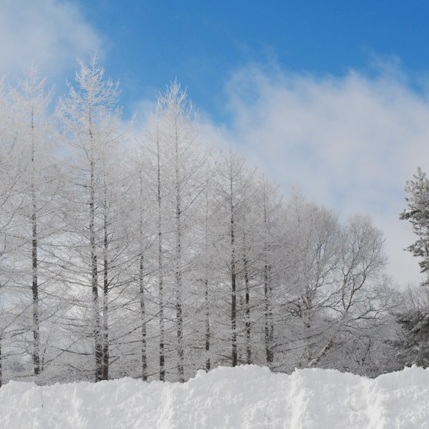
(243, 397)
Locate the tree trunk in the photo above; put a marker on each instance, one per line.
(94, 279)
(247, 311)
(178, 267)
(206, 284)
(34, 259)
(105, 338)
(208, 333)
(143, 319)
(35, 291)
(160, 274)
(141, 290)
(268, 315)
(268, 291)
(234, 353)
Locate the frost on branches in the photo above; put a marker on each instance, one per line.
(152, 252)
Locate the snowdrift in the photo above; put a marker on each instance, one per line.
(243, 397)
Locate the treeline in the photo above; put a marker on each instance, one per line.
(156, 256)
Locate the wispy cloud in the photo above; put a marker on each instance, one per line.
(349, 142)
(49, 34)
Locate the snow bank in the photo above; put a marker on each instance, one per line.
(243, 397)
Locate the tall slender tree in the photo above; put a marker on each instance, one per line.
(233, 189)
(39, 189)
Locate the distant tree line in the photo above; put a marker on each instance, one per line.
(159, 255)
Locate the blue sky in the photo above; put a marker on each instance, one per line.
(332, 96)
(202, 43)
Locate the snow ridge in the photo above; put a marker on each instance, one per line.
(241, 397)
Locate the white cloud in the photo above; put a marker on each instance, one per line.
(349, 143)
(50, 34)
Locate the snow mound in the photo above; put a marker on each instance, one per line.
(242, 397)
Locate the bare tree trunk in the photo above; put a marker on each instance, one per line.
(143, 319)
(35, 292)
(268, 315)
(142, 291)
(160, 274)
(34, 258)
(206, 285)
(234, 351)
(178, 268)
(105, 338)
(247, 311)
(94, 273)
(268, 304)
(179, 310)
(208, 329)
(161, 311)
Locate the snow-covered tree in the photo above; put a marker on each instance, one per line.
(90, 123)
(410, 319)
(176, 175)
(11, 309)
(166, 260)
(38, 220)
(417, 213)
(233, 190)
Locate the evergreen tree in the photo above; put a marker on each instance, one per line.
(417, 213)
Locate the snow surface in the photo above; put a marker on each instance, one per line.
(242, 397)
